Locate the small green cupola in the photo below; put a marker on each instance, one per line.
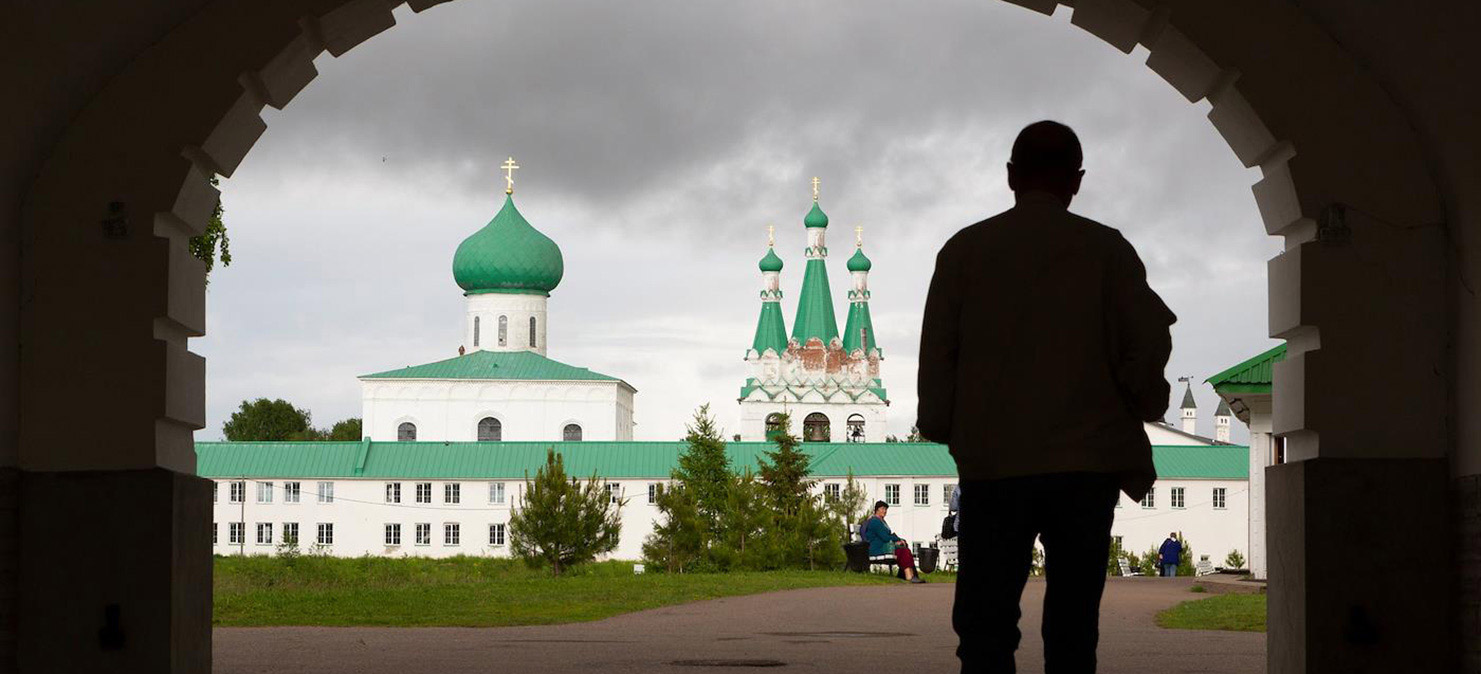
(815, 217)
(859, 262)
(508, 256)
(772, 261)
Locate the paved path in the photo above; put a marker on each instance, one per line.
(844, 629)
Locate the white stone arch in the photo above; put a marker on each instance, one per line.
(560, 429)
(488, 413)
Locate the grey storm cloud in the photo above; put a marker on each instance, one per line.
(658, 138)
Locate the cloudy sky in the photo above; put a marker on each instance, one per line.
(659, 138)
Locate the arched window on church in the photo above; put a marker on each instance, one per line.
(571, 433)
(855, 428)
(475, 331)
(490, 430)
(532, 332)
(503, 331)
(815, 428)
(773, 426)
(406, 432)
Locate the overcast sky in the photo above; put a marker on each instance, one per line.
(658, 138)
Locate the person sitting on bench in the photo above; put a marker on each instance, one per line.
(883, 542)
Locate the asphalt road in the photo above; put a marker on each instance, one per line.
(903, 628)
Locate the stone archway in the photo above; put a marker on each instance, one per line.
(115, 181)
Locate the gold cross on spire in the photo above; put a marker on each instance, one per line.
(815, 182)
(859, 236)
(509, 169)
(770, 235)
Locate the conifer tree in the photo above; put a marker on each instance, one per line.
(742, 541)
(562, 522)
(785, 471)
(679, 539)
(850, 508)
(704, 469)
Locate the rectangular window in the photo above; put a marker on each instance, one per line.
(452, 493)
(496, 492)
(892, 495)
(1220, 496)
(450, 534)
(946, 490)
(393, 534)
(264, 533)
(291, 491)
(326, 492)
(614, 491)
(652, 492)
(424, 492)
(923, 494)
(290, 533)
(234, 533)
(832, 491)
(264, 492)
(213, 533)
(424, 534)
(238, 492)
(215, 491)
(496, 534)
(1177, 497)
(1150, 500)
(393, 492)
(326, 533)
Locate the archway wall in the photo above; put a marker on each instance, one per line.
(105, 314)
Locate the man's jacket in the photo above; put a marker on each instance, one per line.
(1171, 551)
(1043, 348)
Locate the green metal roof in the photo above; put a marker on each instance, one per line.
(1251, 376)
(656, 460)
(771, 330)
(859, 262)
(815, 306)
(815, 217)
(1223, 409)
(859, 333)
(508, 256)
(1188, 402)
(772, 261)
(499, 365)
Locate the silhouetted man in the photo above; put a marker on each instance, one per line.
(1041, 354)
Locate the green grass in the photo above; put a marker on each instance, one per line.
(1233, 612)
(468, 591)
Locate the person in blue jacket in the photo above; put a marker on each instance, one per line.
(883, 541)
(1170, 552)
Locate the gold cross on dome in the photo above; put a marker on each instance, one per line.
(509, 168)
(815, 182)
(770, 235)
(859, 236)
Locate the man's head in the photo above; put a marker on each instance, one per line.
(1046, 157)
(1172, 534)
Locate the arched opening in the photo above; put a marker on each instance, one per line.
(490, 430)
(571, 433)
(503, 331)
(855, 431)
(773, 426)
(406, 431)
(532, 333)
(816, 428)
(1205, 52)
(475, 330)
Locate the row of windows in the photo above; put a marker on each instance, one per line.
(503, 330)
(292, 492)
(489, 430)
(817, 428)
(422, 532)
(1178, 498)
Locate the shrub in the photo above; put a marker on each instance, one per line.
(1234, 560)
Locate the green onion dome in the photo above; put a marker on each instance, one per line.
(816, 217)
(771, 262)
(508, 256)
(858, 262)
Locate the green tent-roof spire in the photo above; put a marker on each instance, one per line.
(771, 330)
(815, 316)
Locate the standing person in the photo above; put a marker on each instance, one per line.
(1171, 553)
(1042, 353)
(883, 541)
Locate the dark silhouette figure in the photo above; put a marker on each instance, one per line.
(1042, 352)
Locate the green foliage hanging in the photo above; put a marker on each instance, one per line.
(213, 243)
(562, 521)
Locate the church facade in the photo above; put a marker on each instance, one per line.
(828, 383)
(501, 385)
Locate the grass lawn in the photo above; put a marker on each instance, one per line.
(1234, 612)
(468, 591)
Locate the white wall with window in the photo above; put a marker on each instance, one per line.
(492, 410)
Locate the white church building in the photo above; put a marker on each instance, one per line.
(501, 386)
